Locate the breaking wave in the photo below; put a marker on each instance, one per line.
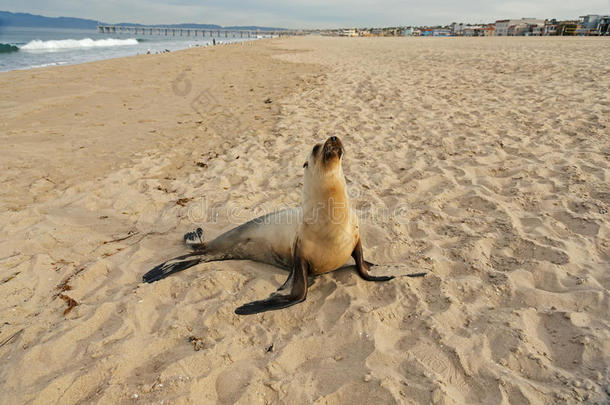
(5, 48)
(38, 45)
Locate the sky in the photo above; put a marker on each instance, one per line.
(308, 13)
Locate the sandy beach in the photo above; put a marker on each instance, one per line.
(484, 162)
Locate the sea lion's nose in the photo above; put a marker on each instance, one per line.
(334, 139)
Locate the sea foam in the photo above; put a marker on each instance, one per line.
(38, 45)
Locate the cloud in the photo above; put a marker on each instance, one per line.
(310, 13)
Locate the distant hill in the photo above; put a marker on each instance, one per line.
(8, 19)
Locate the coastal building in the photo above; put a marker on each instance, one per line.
(593, 24)
(516, 27)
(468, 30)
(408, 32)
(392, 32)
(373, 32)
(473, 31)
(457, 29)
(588, 24)
(604, 25)
(536, 30)
(486, 30)
(516, 30)
(562, 28)
(502, 28)
(550, 27)
(567, 27)
(348, 32)
(435, 32)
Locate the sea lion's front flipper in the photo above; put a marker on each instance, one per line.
(363, 266)
(293, 291)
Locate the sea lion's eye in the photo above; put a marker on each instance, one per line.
(306, 165)
(316, 149)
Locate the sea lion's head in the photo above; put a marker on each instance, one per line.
(325, 157)
(324, 182)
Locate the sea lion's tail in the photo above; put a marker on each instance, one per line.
(173, 266)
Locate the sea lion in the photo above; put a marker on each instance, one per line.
(315, 238)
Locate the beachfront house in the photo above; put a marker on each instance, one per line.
(517, 27)
(527, 29)
(588, 24)
(593, 24)
(604, 25)
(408, 32)
(348, 32)
(473, 31)
(550, 27)
(435, 32)
(533, 27)
(457, 29)
(467, 30)
(486, 30)
(567, 27)
(517, 30)
(502, 28)
(554, 27)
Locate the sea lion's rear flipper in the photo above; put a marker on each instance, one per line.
(363, 266)
(293, 291)
(173, 266)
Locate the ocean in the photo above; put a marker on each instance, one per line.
(26, 48)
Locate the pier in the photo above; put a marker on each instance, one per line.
(193, 32)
